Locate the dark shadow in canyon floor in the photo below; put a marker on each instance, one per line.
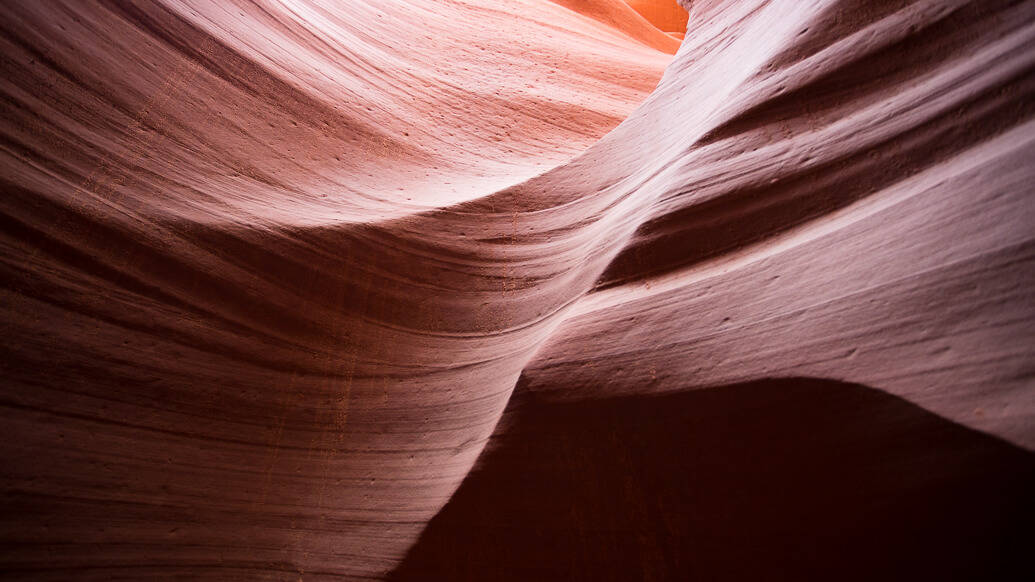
(785, 479)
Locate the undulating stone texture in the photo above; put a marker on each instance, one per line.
(271, 273)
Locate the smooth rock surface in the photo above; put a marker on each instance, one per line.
(271, 273)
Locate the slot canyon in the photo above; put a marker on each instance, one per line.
(517, 290)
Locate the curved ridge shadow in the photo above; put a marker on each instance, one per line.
(789, 479)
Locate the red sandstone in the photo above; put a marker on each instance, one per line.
(503, 290)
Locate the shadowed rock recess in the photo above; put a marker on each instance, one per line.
(506, 290)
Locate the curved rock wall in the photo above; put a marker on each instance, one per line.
(272, 272)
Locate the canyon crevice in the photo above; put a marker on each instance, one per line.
(285, 283)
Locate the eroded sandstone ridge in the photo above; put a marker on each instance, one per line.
(273, 272)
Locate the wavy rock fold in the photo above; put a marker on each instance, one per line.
(272, 271)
